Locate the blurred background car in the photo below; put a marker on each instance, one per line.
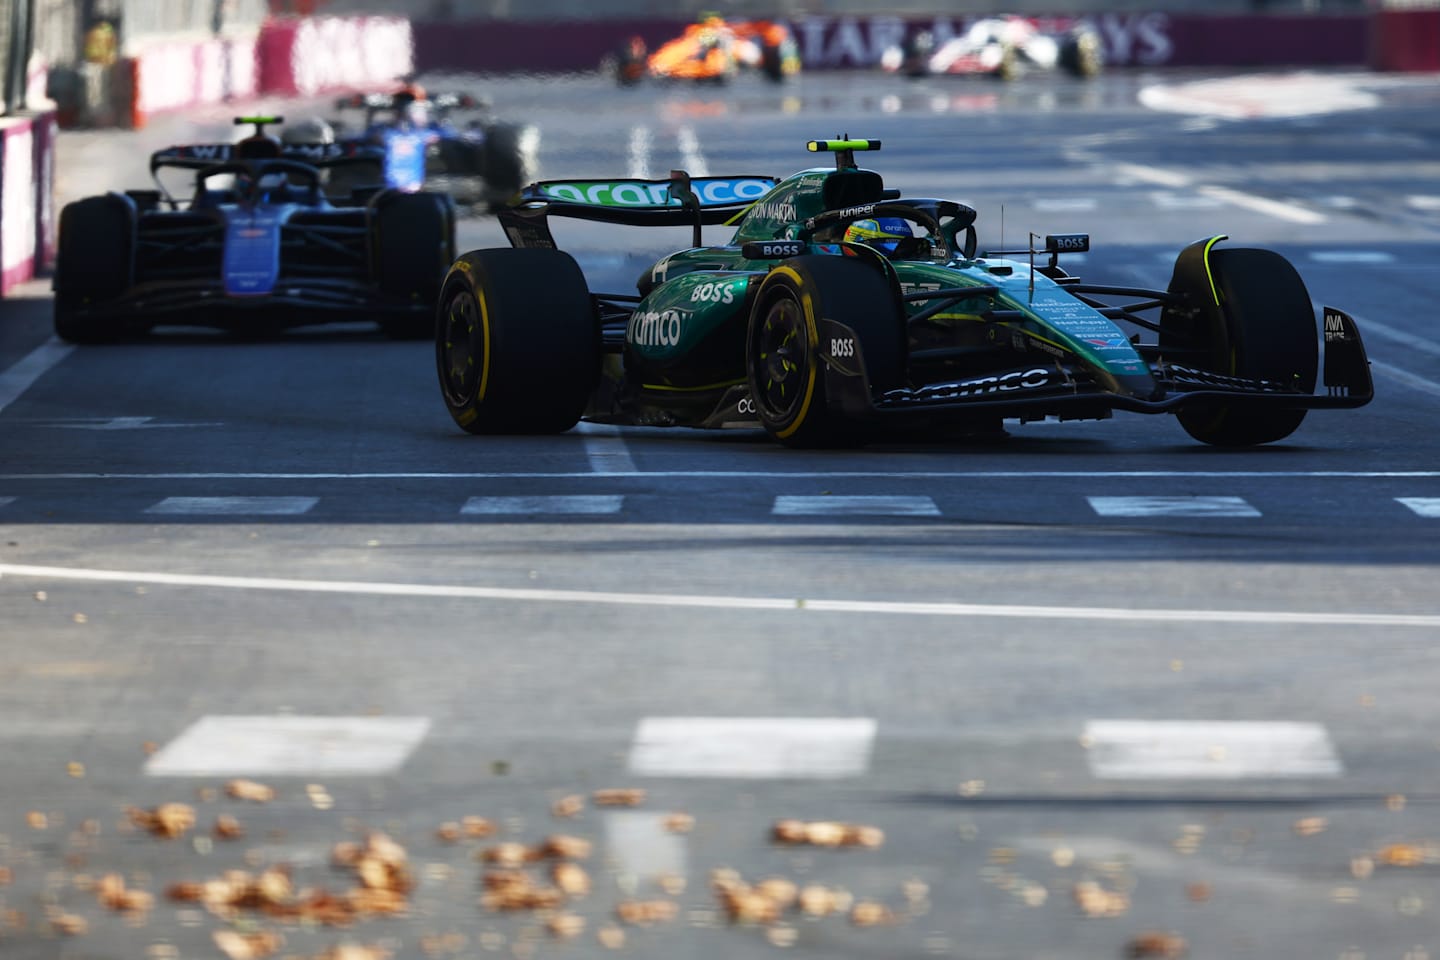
(1003, 47)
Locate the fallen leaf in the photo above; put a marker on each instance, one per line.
(826, 833)
(477, 827)
(1401, 855)
(782, 891)
(782, 936)
(1198, 892)
(1095, 901)
(567, 807)
(1168, 946)
(242, 789)
(168, 820)
(572, 879)
(1310, 826)
(563, 926)
(868, 913)
(70, 924)
(508, 854)
(678, 823)
(562, 847)
(610, 937)
(448, 832)
(645, 912)
(228, 828)
(37, 820)
(248, 946)
(619, 797)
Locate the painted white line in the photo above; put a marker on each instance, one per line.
(692, 160)
(1065, 204)
(1351, 256)
(519, 506)
(23, 374)
(233, 506)
(1272, 208)
(1370, 325)
(1405, 378)
(127, 423)
(1223, 750)
(752, 747)
(1146, 174)
(767, 475)
(723, 602)
(605, 448)
(1423, 202)
(1422, 506)
(6, 501)
(286, 745)
(637, 844)
(1167, 200)
(640, 142)
(900, 506)
(1172, 507)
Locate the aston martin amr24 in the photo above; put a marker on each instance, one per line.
(839, 308)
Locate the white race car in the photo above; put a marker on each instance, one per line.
(1003, 47)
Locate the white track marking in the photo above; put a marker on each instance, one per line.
(1065, 205)
(640, 143)
(512, 506)
(5, 501)
(1272, 208)
(1406, 378)
(771, 475)
(284, 745)
(126, 423)
(1423, 202)
(23, 373)
(1248, 201)
(900, 506)
(1208, 750)
(691, 159)
(1370, 325)
(1172, 507)
(1351, 256)
(752, 747)
(233, 506)
(605, 446)
(723, 602)
(1422, 506)
(1172, 200)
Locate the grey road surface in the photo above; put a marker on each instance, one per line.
(1091, 680)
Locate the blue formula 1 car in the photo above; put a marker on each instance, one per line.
(838, 310)
(480, 163)
(257, 246)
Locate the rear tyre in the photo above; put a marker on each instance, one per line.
(95, 262)
(413, 241)
(517, 345)
(1264, 329)
(1081, 55)
(783, 349)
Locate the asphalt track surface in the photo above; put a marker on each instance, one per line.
(1088, 652)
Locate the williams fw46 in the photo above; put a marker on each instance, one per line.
(839, 309)
(256, 244)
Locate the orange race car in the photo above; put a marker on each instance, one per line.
(713, 49)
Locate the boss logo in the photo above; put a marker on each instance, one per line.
(713, 293)
(842, 346)
(1067, 243)
(772, 249)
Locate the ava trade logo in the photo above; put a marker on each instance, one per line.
(712, 191)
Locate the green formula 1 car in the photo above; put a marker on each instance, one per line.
(803, 323)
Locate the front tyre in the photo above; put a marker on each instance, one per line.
(783, 353)
(413, 241)
(1264, 329)
(517, 346)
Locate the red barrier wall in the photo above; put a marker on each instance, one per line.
(1405, 40)
(27, 202)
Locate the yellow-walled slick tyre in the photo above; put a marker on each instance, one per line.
(517, 345)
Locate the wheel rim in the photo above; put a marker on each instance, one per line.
(461, 352)
(782, 354)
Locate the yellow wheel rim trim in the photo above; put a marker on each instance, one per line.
(807, 303)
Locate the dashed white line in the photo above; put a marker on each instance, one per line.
(6, 501)
(1065, 204)
(690, 155)
(233, 506)
(524, 506)
(1249, 201)
(886, 506)
(1422, 506)
(1406, 378)
(640, 142)
(1351, 256)
(605, 448)
(23, 373)
(732, 602)
(1172, 507)
(1423, 202)
(1169, 200)
(289, 745)
(752, 747)
(1225, 750)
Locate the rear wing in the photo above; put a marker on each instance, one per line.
(677, 202)
(197, 156)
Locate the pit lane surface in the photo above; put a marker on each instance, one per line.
(301, 532)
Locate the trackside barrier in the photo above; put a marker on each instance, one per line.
(27, 202)
(286, 57)
(1405, 39)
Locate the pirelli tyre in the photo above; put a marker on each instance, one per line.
(412, 242)
(1262, 328)
(94, 263)
(517, 345)
(1082, 54)
(785, 355)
